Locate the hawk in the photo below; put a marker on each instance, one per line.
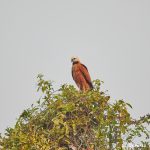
(81, 75)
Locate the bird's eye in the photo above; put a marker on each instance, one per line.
(73, 59)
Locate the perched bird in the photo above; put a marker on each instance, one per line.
(81, 75)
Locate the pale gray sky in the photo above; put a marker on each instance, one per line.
(112, 38)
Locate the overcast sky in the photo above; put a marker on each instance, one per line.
(112, 38)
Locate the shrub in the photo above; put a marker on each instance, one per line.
(67, 118)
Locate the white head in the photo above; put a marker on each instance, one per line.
(75, 59)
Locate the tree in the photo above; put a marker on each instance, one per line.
(67, 118)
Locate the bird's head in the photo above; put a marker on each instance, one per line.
(75, 59)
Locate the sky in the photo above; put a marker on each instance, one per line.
(112, 38)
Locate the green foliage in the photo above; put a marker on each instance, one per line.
(68, 118)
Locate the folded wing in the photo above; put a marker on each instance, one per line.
(86, 75)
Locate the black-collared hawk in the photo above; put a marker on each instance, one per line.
(81, 75)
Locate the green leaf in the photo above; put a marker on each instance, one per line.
(129, 105)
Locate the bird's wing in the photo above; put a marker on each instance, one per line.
(86, 75)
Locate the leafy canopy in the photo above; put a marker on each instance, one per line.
(67, 118)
